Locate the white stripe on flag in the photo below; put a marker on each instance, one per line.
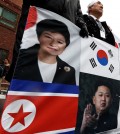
(57, 131)
(40, 94)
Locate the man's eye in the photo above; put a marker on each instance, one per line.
(107, 95)
(100, 95)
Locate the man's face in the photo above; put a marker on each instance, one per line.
(97, 8)
(52, 43)
(102, 99)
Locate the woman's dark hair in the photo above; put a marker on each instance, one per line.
(53, 26)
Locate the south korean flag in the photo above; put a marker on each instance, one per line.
(99, 58)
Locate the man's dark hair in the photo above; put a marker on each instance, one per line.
(103, 83)
(53, 26)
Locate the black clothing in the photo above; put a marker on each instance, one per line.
(1, 70)
(6, 69)
(84, 32)
(27, 68)
(94, 30)
(106, 122)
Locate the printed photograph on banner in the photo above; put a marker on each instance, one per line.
(43, 94)
(99, 58)
(49, 42)
(99, 100)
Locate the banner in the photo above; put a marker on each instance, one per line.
(43, 94)
(99, 88)
(56, 68)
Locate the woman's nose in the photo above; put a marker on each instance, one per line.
(53, 42)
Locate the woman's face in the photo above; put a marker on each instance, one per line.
(52, 43)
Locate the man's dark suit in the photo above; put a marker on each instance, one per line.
(27, 68)
(107, 121)
(94, 30)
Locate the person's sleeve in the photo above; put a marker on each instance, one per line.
(79, 15)
(80, 22)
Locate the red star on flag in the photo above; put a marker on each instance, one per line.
(19, 116)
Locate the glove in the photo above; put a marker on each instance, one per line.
(84, 32)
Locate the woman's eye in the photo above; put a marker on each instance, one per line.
(48, 37)
(60, 42)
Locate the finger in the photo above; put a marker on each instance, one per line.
(86, 109)
(89, 108)
(98, 116)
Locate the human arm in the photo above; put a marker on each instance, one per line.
(89, 120)
(80, 22)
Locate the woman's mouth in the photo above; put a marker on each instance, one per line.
(53, 48)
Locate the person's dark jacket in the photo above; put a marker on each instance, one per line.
(94, 30)
(69, 9)
(106, 122)
(1, 70)
(27, 68)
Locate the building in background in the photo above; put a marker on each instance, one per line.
(10, 11)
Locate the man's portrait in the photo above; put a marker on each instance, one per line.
(98, 104)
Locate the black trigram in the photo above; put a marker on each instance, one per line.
(111, 68)
(110, 53)
(93, 45)
(93, 63)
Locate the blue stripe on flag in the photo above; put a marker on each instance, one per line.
(30, 86)
(70, 132)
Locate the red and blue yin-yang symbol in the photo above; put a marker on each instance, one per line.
(102, 57)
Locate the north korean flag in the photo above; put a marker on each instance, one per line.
(35, 107)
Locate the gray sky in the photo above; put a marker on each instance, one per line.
(111, 13)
